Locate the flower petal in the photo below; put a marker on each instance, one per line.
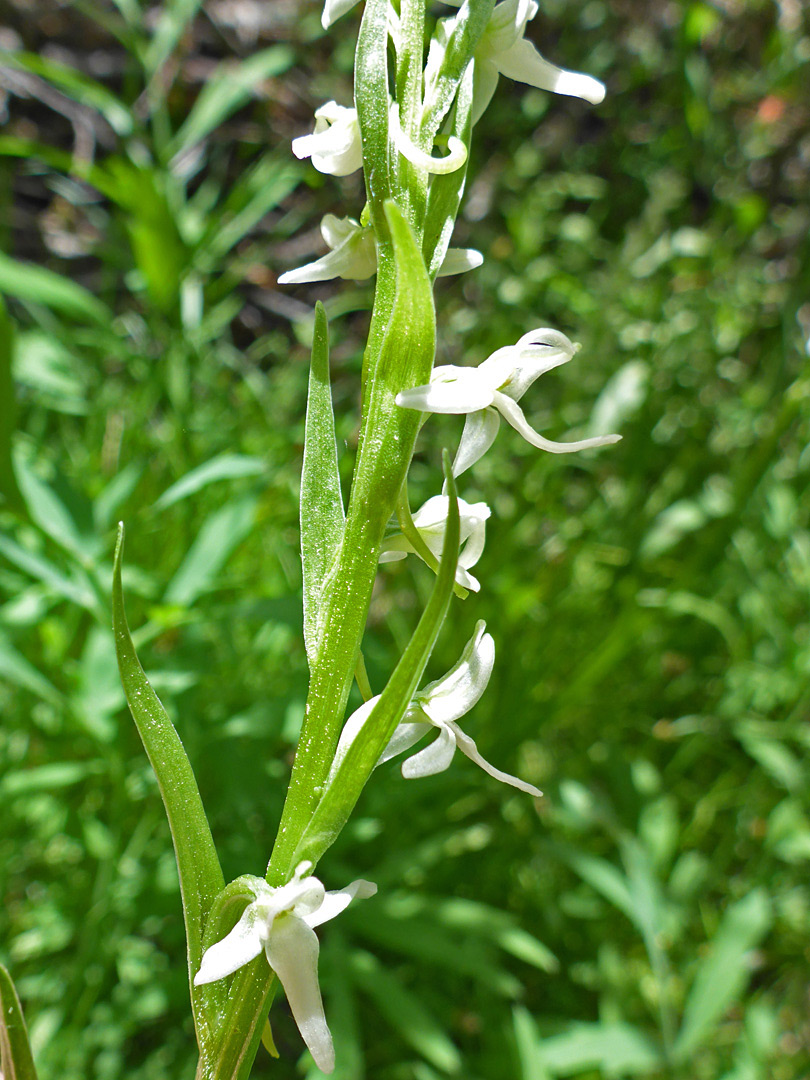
(292, 952)
(333, 9)
(239, 947)
(350, 731)
(468, 748)
(452, 389)
(454, 694)
(334, 145)
(474, 547)
(513, 369)
(523, 63)
(479, 434)
(513, 414)
(459, 260)
(434, 758)
(354, 260)
(338, 900)
(405, 735)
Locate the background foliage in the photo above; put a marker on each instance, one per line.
(649, 603)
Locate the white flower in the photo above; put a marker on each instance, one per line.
(439, 706)
(333, 9)
(353, 255)
(334, 145)
(431, 524)
(497, 384)
(280, 921)
(503, 50)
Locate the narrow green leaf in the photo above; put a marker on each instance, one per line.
(339, 798)
(9, 492)
(39, 285)
(77, 589)
(229, 87)
(221, 467)
(19, 671)
(58, 512)
(201, 878)
(175, 15)
(405, 1012)
(255, 193)
(724, 973)
(605, 878)
(620, 1048)
(527, 1041)
(219, 535)
(16, 1060)
(76, 85)
(322, 516)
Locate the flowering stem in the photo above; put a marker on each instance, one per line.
(387, 439)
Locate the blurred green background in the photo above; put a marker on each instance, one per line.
(649, 602)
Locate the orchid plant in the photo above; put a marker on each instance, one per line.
(419, 90)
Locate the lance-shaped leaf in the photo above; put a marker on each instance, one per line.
(724, 971)
(447, 189)
(343, 791)
(9, 492)
(16, 1060)
(322, 514)
(201, 878)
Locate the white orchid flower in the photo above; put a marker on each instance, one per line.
(440, 705)
(495, 387)
(334, 145)
(431, 523)
(503, 50)
(280, 922)
(353, 255)
(333, 9)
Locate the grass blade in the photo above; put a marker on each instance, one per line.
(724, 973)
(229, 87)
(8, 413)
(41, 286)
(221, 467)
(16, 1060)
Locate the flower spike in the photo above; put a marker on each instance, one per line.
(333, 9)
(494, 388)
(280, 922)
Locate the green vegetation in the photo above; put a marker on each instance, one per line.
(649, 602)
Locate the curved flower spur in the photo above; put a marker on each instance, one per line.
(439, 706)
(280, 922)
(494, 387)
